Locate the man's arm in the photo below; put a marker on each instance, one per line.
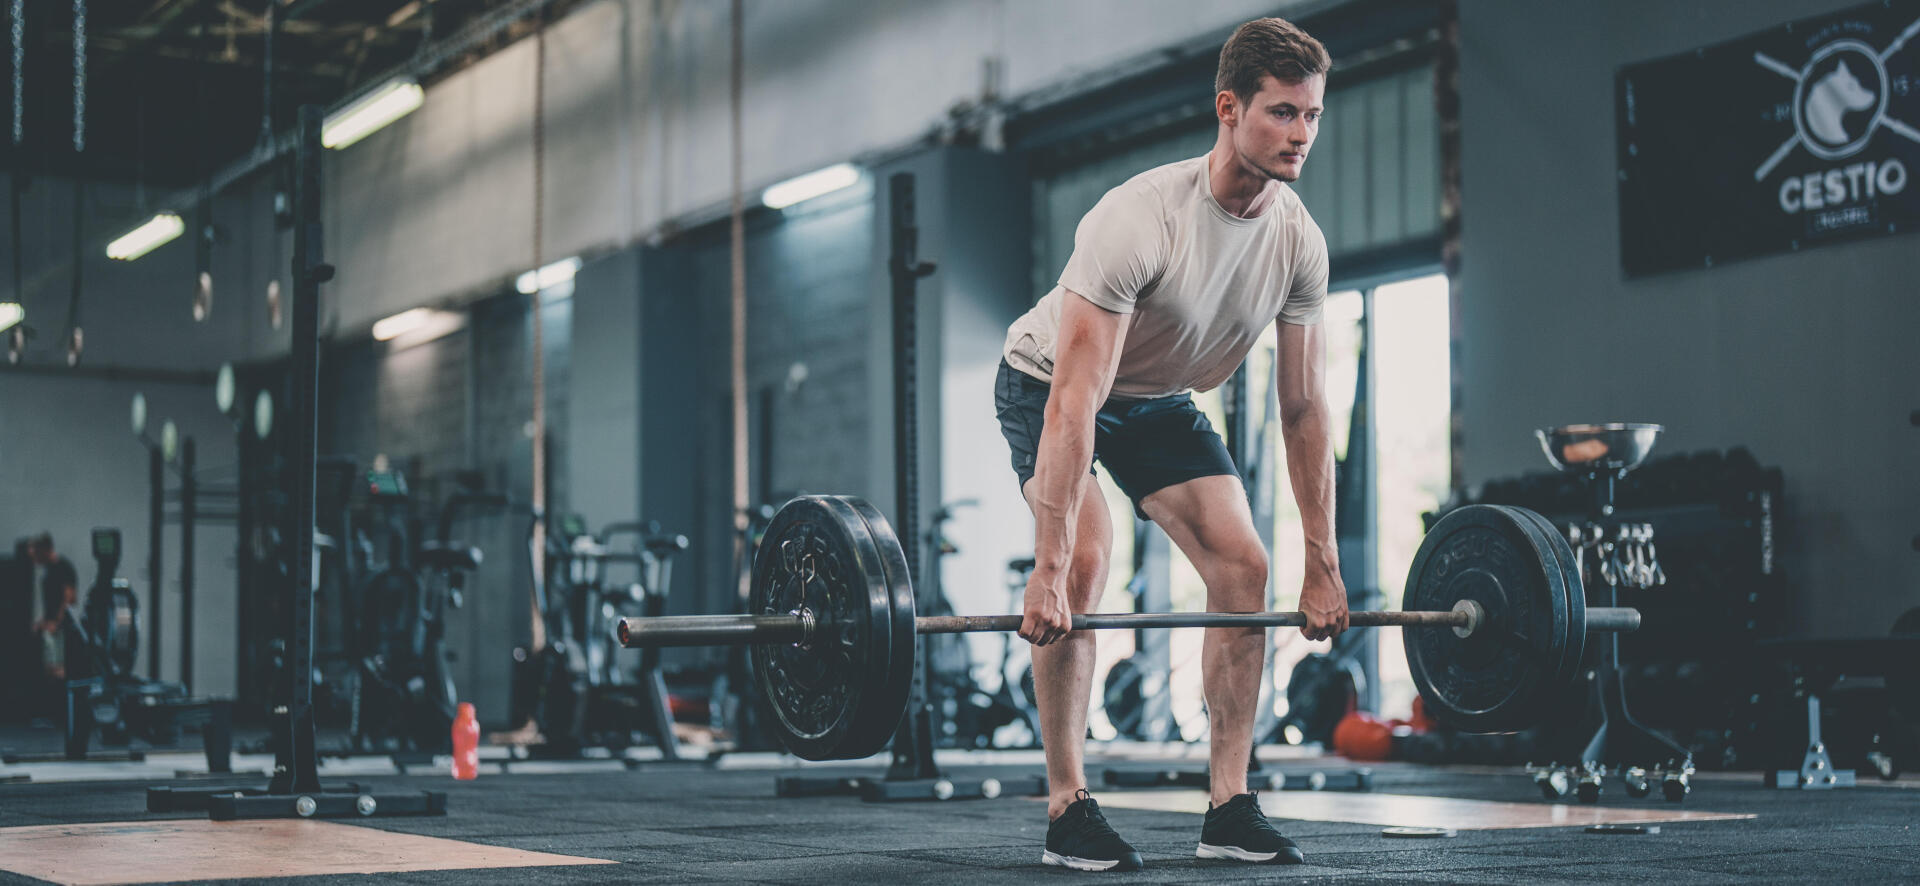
(1306, 423)
(69, 595)
(1087, 355)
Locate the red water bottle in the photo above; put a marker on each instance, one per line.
(466, 743)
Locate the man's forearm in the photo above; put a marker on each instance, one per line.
(1066, 447)
(1308, 431)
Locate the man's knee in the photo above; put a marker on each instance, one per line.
(1240, 574)
(1087, 577)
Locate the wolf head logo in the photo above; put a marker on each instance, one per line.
(1830, 99)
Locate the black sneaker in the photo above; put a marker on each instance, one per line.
(1082, 840)
(1238, 830)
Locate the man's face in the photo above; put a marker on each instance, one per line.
(40, 554)
(1275, 129)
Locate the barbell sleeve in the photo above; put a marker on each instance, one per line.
(724, 630)
(1618, 619)
(712, 630)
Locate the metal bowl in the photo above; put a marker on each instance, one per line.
(1617, 446)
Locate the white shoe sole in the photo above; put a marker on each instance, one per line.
(1234, 853)
(1078, 864)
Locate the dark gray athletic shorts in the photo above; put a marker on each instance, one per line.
(1146, 445)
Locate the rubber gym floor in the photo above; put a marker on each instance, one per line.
(680, 822)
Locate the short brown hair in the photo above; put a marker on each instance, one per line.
(1271, 47)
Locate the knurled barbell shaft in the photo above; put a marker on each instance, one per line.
(727, 630)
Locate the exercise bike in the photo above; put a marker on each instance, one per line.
(575, 689)
(404, 699)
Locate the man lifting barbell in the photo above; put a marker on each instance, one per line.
(1174, 275)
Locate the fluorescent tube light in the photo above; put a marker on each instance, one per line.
(400, 324)
(157, 231)
(811, 185)
(370, 112)
(547, 277)
(418, 326)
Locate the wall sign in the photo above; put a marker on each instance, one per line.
(1784, 140)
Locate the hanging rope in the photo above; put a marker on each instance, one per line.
(741, 502)
(539, 358)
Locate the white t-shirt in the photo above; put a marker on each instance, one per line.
(1201, 283)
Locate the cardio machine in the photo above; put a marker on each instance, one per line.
(104, 696)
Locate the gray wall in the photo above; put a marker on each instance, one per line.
(604, 429)
(807, 277)
(676, 405)
(1807, 358)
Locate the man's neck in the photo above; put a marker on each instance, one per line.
(1238, 191)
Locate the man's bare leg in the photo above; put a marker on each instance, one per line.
(1063, 671)
(1209, 520)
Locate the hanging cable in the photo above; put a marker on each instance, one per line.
(18, 20)
(264, 144)
(203, 214)
(265, 149)
(79, 75)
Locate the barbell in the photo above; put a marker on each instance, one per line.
(1496, 622)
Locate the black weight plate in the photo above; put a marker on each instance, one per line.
(1542, 540)
(1576, 598)
(1569, 570)
(818, 554)
(883, 712)
(1495, 680)
(1320, 691)
(1122, 698)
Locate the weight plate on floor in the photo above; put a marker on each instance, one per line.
(1623, 829)
(881, 714)
(1122, 698)
(1496, 679)
(819, 555)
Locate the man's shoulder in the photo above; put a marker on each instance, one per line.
(1161, 184)
(1291, 207)
(1293, 211)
